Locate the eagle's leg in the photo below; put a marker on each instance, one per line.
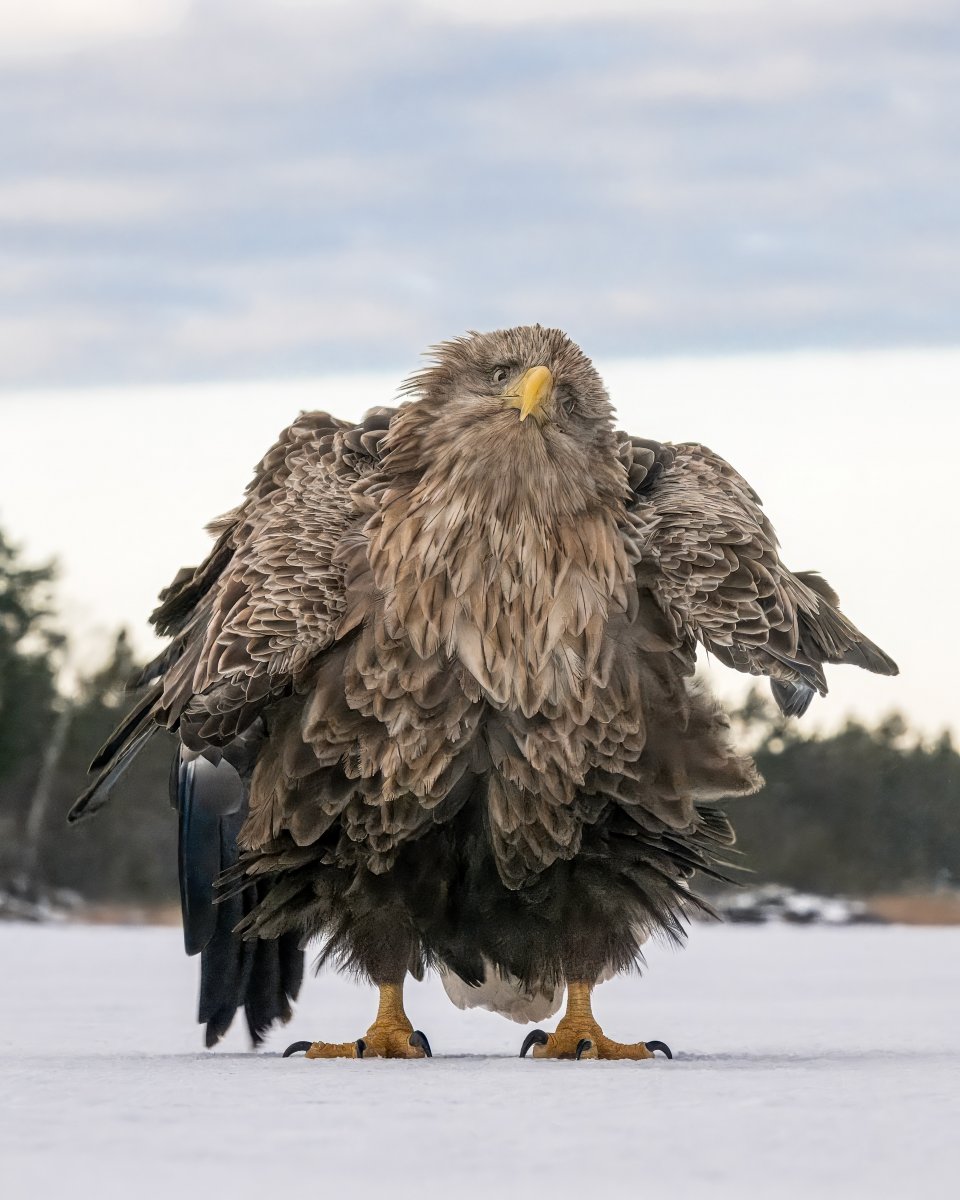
(390, 1036)
(579, 1036)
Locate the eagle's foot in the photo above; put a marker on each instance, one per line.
(578, 1035)
(390, 1036)
(578, 1040)
(378, 1042)
(394, 1041)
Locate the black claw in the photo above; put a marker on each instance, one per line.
(419, 1040)
(583, 1046)
(296, 1047)
(661, 1046)
(536, 1037)
(361, 1046)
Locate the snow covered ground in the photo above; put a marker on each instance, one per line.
(810, 1062)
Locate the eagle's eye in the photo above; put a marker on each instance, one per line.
(499, 374)
(566, 399)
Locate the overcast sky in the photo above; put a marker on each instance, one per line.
(270, 187)
(291, 199)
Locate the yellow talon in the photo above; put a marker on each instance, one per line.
(579, 1036)
(390, 1036)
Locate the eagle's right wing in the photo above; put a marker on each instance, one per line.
(266, 600)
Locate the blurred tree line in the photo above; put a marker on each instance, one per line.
(860, 811)
(47, 738)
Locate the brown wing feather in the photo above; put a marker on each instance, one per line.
(277, 602)
(708, 553)
(265, 601)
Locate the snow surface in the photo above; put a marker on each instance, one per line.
(810, 1062)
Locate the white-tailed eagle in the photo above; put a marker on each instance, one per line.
(433, 689)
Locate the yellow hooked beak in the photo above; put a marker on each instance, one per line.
(530, 392)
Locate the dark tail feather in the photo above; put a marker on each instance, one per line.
(262, 977)
(274, 982)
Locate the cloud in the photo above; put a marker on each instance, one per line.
(52, 200)
(280, 187)
(705, 13)
(55, 27)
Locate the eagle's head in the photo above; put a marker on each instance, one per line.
(518, 418)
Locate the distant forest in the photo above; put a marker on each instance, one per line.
(858, 812)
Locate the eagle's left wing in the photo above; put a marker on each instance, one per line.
(706, 551)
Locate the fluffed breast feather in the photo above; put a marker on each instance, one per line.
(702, 544)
